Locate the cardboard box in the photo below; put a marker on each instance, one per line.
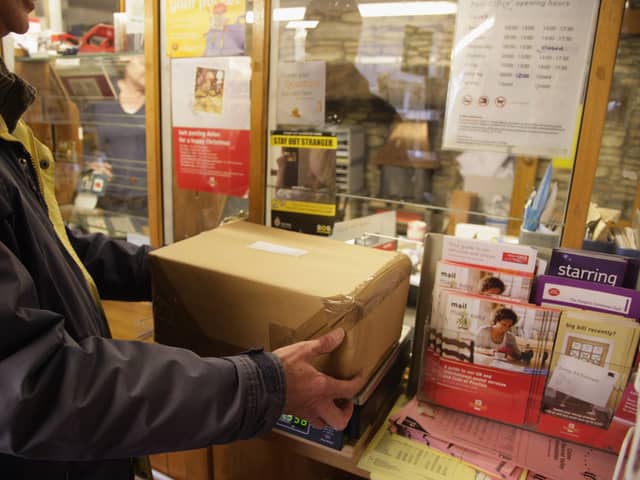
(244, 285)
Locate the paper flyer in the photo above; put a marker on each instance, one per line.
(483, 281)
(550, 457)
(301, 93)
(568, 292)
(490, 354)
(205, 28)
(492, 465)
(590, 367)
(210, 124)
(518, 73)
(390, 456)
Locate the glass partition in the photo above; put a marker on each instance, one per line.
(615, 198)
(374, 82)
(206, 74)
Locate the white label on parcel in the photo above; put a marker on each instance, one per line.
(279, 249)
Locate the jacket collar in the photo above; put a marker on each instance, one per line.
(4, 130)
(16, 96)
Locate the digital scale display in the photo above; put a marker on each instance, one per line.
(300, 427)
(297, 424)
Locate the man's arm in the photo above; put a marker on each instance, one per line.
(63, 399)
(97, 398)
(119, 269)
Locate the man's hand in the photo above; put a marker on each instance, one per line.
(312, 395)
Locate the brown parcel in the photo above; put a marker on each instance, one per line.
(219, 293)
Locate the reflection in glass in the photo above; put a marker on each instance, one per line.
(616, 181)
(387, 71)
(114, 145)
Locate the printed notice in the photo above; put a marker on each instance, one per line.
(210, 123)
(305, 181)
(518, 75)
(301, 87)
(205, 28)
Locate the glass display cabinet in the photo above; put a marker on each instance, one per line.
(383, 73)
(93, 117)
(91, 112)
(208, 53)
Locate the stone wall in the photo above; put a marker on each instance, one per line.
(618, 168)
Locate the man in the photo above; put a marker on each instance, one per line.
(75, 404)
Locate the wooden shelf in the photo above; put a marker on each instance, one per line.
(346, 459)
(280, 455)
(129, 320)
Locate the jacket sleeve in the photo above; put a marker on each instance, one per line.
(102, 399)
(119, 269)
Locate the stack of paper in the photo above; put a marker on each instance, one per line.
(496, 450)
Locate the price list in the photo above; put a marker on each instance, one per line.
(517, 75)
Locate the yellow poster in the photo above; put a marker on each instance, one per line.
(566, 163)
(205, 28)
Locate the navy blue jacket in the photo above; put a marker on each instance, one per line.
(75, 404)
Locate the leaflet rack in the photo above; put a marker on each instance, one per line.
(432, 253)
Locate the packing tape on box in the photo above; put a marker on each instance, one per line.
(347, 310)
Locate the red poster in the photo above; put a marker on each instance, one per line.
(212, 160)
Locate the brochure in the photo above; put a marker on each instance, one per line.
(484, 281)
(487, 354)
(588, 266)
(562, 368)
(503, 256)
(590, 367)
